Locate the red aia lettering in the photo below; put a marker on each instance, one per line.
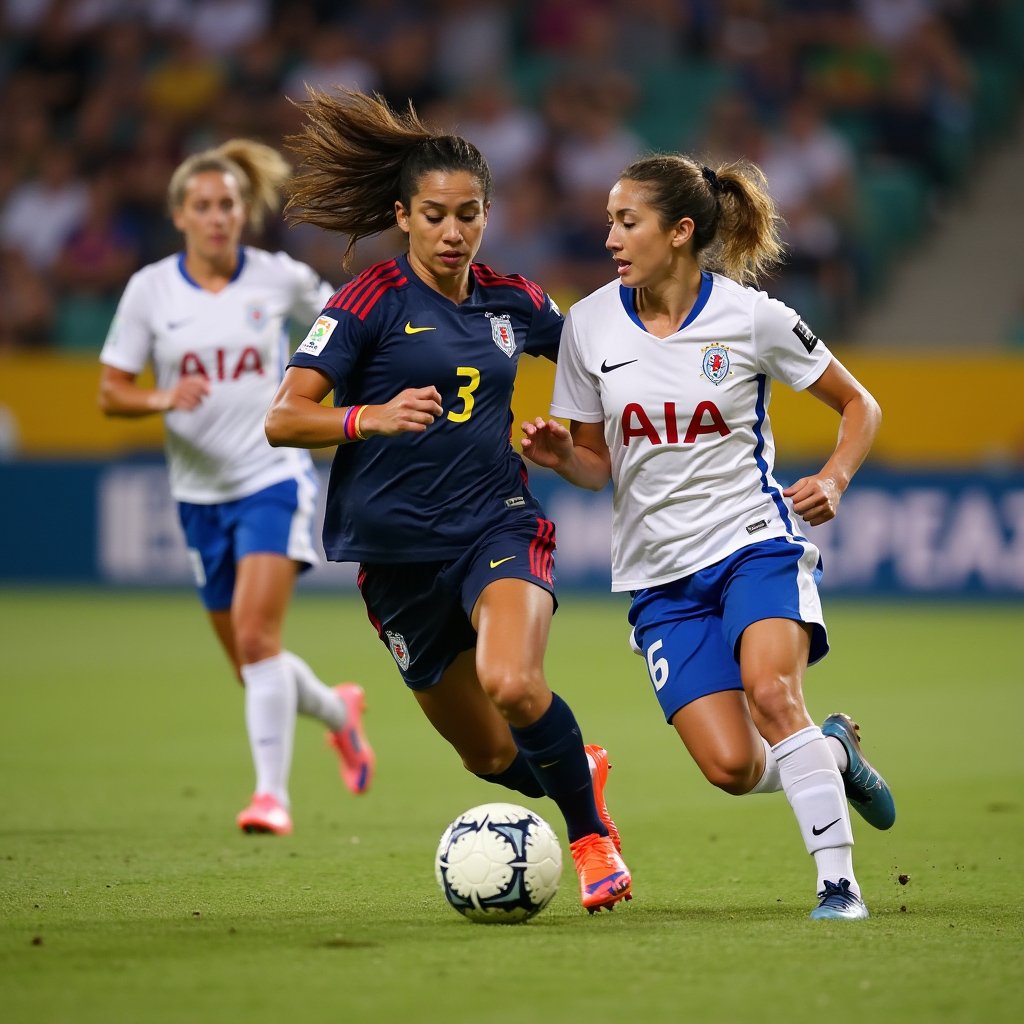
(248, 361)
(192, 366)
(636, 423)
(698, 426)
(644, 427)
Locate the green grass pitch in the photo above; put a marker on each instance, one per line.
(126, 894)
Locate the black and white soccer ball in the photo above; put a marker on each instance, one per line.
(498, 863)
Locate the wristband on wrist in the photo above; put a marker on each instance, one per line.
(355, 423)
(348, 424)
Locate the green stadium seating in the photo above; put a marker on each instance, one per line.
(82, 322)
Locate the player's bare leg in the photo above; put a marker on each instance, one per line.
(723, 741)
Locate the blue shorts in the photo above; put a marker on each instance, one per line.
(422, 610)
(689, 630)
(277, 520)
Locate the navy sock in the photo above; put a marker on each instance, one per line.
(554, 750)
(517, 776)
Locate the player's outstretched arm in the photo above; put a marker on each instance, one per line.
(579, 455)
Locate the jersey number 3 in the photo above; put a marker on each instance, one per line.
(472, 375)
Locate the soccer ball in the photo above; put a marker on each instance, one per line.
(498, 863)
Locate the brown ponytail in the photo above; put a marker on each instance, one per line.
(735, 220)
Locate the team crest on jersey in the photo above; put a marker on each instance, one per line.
(319, 333)
(398, 648)
(716, 363)
(256, 316)
(502, 333)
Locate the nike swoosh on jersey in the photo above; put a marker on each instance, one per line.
(409, 329)
(501, 561)
(605, 368)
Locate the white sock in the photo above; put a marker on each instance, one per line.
(270, 719)
(815, 791)
(770, 781)
(839, 753)
(313, 697)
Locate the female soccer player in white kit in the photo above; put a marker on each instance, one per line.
(212, 320)
(666, 377)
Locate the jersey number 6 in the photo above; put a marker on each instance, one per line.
(658, 667)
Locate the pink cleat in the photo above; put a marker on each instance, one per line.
(357, 757)
(599, 768)
(265, 814)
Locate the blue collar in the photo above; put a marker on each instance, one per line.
(195, 284)
(628, 297)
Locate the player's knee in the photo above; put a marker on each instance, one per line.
(733, 772)
(516, 693)
(777, 704)
(254, 642)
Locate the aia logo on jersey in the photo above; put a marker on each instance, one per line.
(255, 316)
(502, 333)
(225, 365)
(398, 648)
(705, 419)
(715, 365)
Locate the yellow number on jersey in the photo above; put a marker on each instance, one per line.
(472, 374)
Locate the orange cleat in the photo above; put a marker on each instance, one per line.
(604, 878)
(357, 757)
(265, 814)
(599, 769)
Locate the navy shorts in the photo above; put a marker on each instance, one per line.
(277, 520)
(688, 631)
(422, 610)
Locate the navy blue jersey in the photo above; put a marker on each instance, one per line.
(424, 497)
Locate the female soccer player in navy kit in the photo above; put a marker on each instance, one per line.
(665, 376)
(211, 320)
(426, 491)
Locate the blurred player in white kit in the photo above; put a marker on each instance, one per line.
(212, 322)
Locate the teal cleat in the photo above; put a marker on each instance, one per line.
(867, 791)
(837, 903)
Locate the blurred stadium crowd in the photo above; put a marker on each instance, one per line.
(867, 116)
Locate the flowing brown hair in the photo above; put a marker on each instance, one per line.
(358, 156)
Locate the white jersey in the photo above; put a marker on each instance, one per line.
(686, 421)
(237, 339)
